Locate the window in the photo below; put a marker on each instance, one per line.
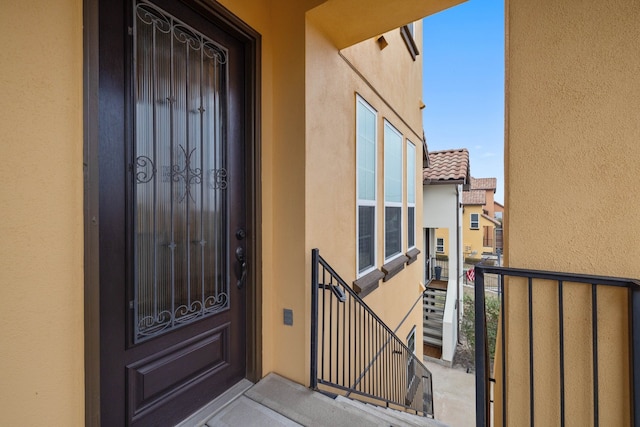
(440, 245)
(475, 222)
(366, 119)
(411, 340)
(392, 191)
(411, 195)
(411, 364)
(487, 236)
(408, 35)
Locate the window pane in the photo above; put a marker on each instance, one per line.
(366, 233)
(474, 221)
(411, 235)
(392, 230)
(366, 151)
(392, 164)
(411, 173)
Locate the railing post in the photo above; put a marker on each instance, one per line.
(315, 260)
(481, 356)
(634, 330)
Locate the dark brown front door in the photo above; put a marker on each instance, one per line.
(173, 210)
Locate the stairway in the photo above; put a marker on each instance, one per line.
(276, 401)
(433, 302)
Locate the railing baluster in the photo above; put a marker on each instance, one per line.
(531, 388)
(337, 335)
(349, 340)
(594, 336)
(344, 348)
(561, 333)
(482, 374)
(324, 322)
(634, 339)
(503, 350)
(314, 319)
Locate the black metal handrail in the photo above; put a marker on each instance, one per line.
(484, 409)
(353, 352)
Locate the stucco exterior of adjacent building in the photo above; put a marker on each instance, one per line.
(444, 179)
(314, 60)
(478, 223)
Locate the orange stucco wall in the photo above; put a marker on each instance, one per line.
(573, 92)
(41, 218)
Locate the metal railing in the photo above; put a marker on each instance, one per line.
(353, 352)
(534, 279)
(442, 264)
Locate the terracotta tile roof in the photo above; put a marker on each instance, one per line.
(493, 220)
(447, 165)
(483, 184)
(474, 197)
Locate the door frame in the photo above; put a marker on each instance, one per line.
(91, 185)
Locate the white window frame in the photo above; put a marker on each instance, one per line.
(392, 204)
(439, 246)
(411, 201)
(412, 336)
(477, 221)
(365, 202)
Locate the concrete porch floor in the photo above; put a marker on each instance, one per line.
(276, 401)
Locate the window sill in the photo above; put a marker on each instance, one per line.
(412, 254)
(367, 283)
(393, 267)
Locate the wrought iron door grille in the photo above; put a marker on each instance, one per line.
(180, 175)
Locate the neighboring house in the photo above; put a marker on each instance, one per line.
(478, 222)
(444, 179)
(175, 165)
(498, 210)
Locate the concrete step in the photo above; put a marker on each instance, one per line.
(200, 417)
(307, 407)
(435, 294)
(434, 312)
(432, 328)
(276, 401)
(436, 342)
(391, 416)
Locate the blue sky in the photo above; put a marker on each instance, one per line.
(463, 86)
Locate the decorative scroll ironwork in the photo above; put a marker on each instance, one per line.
(145, 169)
(218, 179)
(189, 175)
(150, 326)
(165, 23)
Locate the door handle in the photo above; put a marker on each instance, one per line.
(242, 261)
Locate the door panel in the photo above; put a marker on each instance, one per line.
(173, 114)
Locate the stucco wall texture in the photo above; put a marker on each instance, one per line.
(41, 219)
(571, 153)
